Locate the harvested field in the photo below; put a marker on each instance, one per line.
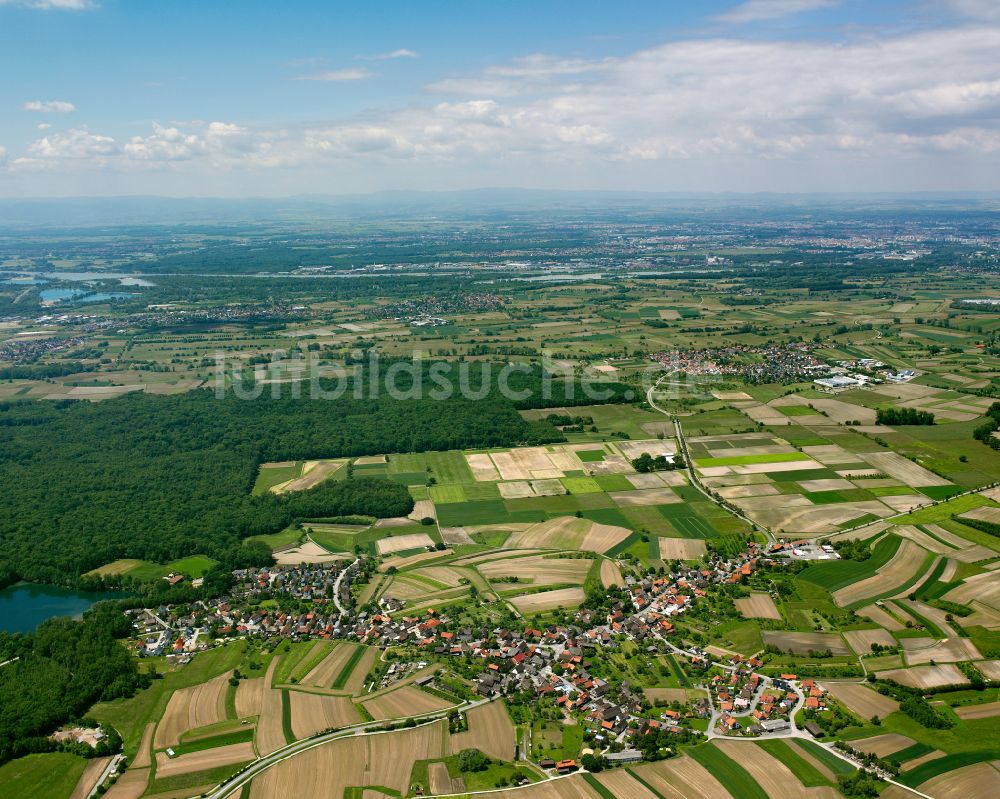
(749, 490)
(143, 757)
(904, 564)
(356, 682)
(830, 454)
(881, 618)
(984, 711)
(568, 532)
(673, 694)
(312, 713)
(443, 574)
(422, 509)
(950, 650)
(803, 643)
(455, 536)
(538, 570)
(384, 759)
(95, 767)
(490, 731)
(611, 575)
(400, 543)
(190, 708)
(771, 774)
(439, 779)
(313, 473)
(757, 606)
(656, 479)
(410, 560)
(573, 787)
(909, 765)
(203, 760)
(682, 778)
(130, 785)
(403, 702)
(983, 588)
(903, 469)
(861, 699)
(309, 552)
(978, 780)
(794, 513)
(681, 548)
(990, 669)
(623, 785)
(482, 468)
(250, 697)
(548, 600)
(326, 671)
(883, 745)
(926, 676)
(270, 732)
(644, 496)
(861, 640)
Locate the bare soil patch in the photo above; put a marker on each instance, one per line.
(548, 600)
(903, 565)
(400, 543)
(883, 745)
(771, 774)
(861, 699)
(490, 731)
(861, 640)
(189, 708)
(803, 643)
(681, 548)
(757, 606)
(926, 676)
(981, 779)
(203, 760)
(312, 713)
(611, 575)
(403, 702)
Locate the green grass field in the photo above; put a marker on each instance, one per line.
(52, 775)
(804, 771)
(835, 574)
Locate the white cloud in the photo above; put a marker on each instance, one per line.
(758, 10)
(47, 5)
(49, 106)
(352, 73)
(977, 9)
(75, 143)
(43, 126)
(712, 107)
(402, 52)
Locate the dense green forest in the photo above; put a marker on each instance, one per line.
(158, 477)
(60, 670)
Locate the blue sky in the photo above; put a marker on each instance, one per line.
(269, 99)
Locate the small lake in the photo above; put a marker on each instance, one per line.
(24, 606)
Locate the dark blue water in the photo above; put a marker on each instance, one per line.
(24, 606)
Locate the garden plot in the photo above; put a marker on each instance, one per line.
(861, 640)
(190, 708)
(548, 600)
(907, 561)
(203, 760)
(538, 570)
(925, 677)
(401, 543)
(312, 713)
(681, 548)
(903, 469)
(950, 650)
(862, 700)
(755, 606)
(568, 532)
(490, 731)
(804, 643)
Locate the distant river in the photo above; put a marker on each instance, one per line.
(24, 606)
